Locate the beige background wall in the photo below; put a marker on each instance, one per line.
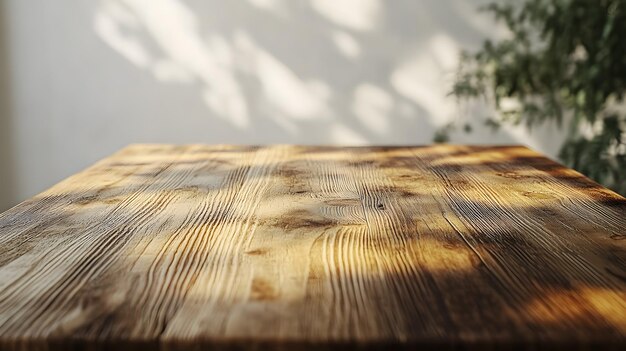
(81, 79)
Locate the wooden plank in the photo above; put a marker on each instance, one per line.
(183, 247)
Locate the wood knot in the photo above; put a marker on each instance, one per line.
(256, 252)
(536, 195)
(85, 200)
(261, 289)
(511, 175)
(343, 202)
(300, 219)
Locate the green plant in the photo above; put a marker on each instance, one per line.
(564, 61)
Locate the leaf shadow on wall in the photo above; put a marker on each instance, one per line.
(299, 72)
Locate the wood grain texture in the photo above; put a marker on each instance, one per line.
(293, 247)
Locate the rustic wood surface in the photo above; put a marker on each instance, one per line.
(293, 247)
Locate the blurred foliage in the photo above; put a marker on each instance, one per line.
(564, 61)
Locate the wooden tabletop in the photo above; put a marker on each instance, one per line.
(293, 247)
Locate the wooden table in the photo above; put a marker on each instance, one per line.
(293, 247)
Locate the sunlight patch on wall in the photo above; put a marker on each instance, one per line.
(171, 72)
(234, 72)
(275, 6)
(372, 106)
(282, 88)
(359, 15)
(342, 135)
(346, 44)
(181, 55)
(419, 79)
(108, 25)
(174, 30)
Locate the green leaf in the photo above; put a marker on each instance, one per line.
(563, 58)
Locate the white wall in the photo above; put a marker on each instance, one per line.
(88, 77)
